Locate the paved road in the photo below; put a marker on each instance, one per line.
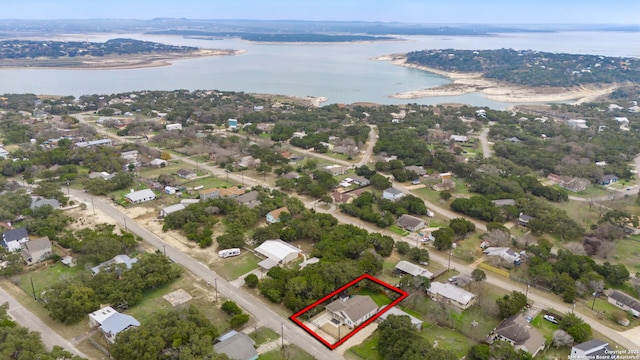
(27, 319)
(486, 149)
(292, 333)
(373, 138)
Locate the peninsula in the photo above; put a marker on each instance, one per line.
(112, 54)
(519, 76)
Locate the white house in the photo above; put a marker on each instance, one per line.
(392, 194)
(12, 240)
(592, 349)
(459, 138)
(505, 253)
(236, 345)
(140, 196)
(417, 323)
(118, 259)
(277, 252)
(129, 155)
(158, 162)
(171, 209)
(451, 294)
(625, 302)
(352, 311)
(171, 127)
(111, 322)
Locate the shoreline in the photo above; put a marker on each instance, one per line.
(467, 83)
(117, 62)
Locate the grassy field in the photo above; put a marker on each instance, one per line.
(207, 183)
(289, 352)
(366, 350)
(378, 298)
(171, 168)
(233, 268)
(264, 335)
(46, 276)
(398, 230)
(468, 250)
(627, 252)
(448, 339)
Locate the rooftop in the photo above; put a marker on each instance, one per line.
(276, 249)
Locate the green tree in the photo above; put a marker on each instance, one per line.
(69, 301)
(443, 238)
(251, 280)
(509, 305)
(478, 275)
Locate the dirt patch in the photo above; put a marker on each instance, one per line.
(177, 297)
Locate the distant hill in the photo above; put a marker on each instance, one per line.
(532, 68)
(269, 37)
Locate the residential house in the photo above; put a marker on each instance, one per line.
(12, 240)
(171, 209)
(158, 162)
(277, 252)
(523, 219)
(459, 138)
(392, 194)
(232, 124)
(592, 349)
(140, 196)
(186, 173)
(130, 156)
(36, 250)
(236, 345)
(274, 215)
(249, 162)
(258, 108)
(445, 176)
(411, 223)
(292, 175)
(335, 170)
(622, 121)
(481, 113)
(172, 127)
(340, 198)
(505, 253)
(513, 140)
(625, 302)
(352, 311)
(608, 179)
(249, 199)
(105, 175)
(578, 123)
(419, 170)
(4, 153)
(170, 190)
(575, 184)
(504, 202)
(406, 268)
(360, 180)
(111, 322)
(417, 323)
(451, 294)
(88, 144)
(445, 185)
(37, 202)
(517, 331)
(215, 193)
(287, 155)
(116, 260)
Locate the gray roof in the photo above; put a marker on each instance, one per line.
(516, 328)
(140, 195)
(625, 299)
(393, 191)
(408, 221)
(117, 322)
(15, 234)
(37, 245)
(247, 197)
(395, 311)
(419, 170)
(173, 208)
(354, 307)
(503, 202)
(236, 346)
(359, 179)
(585, 346)
(36, 202)
(451, 292)
(412, 269)
(118, 259)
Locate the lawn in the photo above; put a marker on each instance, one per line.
(448, 339)
(398, 230)
(366, 350)
(377, 297)
(45, 277)
(627, 252)
(171, 168)
(233, 268)
(468, 250)
(263, 335)
(289, 352)
(207, 183)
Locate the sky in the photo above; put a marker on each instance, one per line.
(409, 11)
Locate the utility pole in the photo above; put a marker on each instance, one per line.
(595, 293)
(449, 264)
(164, 250)
(93, 206)
(33, 288)
(125, 225)
(215, 284)
(282, 335)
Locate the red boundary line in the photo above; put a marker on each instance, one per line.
(294, 317)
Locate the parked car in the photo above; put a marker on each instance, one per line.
(550, 318)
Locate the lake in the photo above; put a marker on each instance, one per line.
(343, 73)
